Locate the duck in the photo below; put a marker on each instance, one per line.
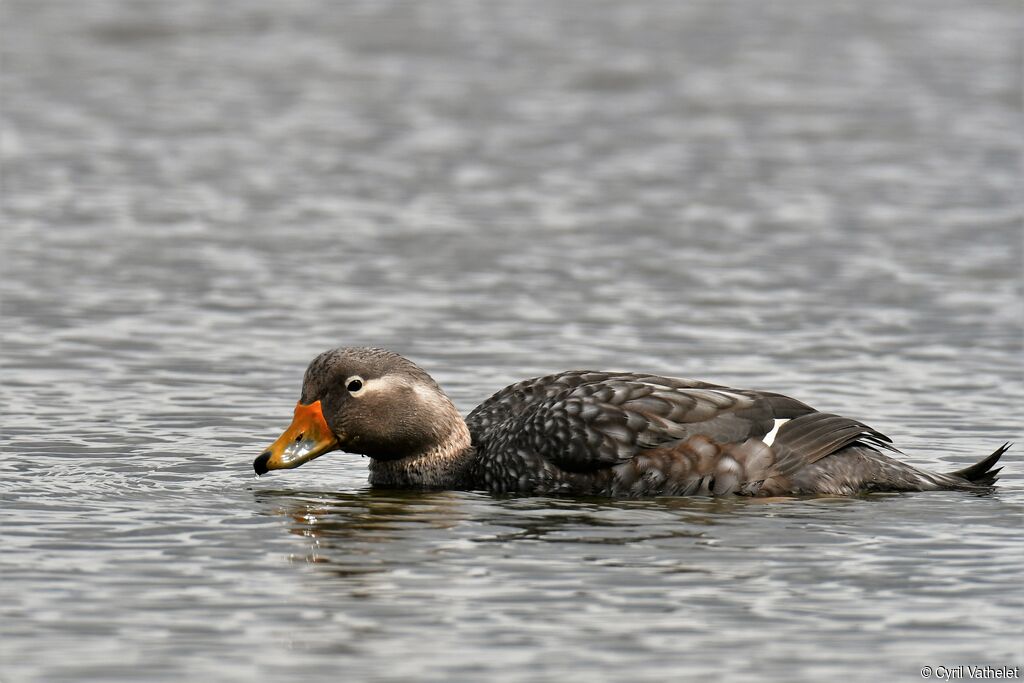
(591, 433)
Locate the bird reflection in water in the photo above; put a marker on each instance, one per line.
(348, 532)
(370, 532)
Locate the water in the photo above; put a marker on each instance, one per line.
(816, 198)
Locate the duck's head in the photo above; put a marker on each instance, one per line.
(363, 400)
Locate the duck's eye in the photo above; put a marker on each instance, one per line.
(354, 384)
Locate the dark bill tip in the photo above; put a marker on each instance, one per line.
(260, 463)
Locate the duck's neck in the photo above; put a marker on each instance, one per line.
(444, 466)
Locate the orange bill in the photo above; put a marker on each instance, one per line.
(306, 438)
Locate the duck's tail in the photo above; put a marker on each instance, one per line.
(981, 473)
(861, 468)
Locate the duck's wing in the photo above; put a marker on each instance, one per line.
(697, 434)
(606, 420)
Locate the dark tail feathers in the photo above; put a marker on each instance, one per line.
(981, 473)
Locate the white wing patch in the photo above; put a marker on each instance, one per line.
(769, 438)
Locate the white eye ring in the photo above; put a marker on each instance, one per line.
(354, 384)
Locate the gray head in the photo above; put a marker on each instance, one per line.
(368, 401)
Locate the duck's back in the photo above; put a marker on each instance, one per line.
(614, 433)
(625, 434)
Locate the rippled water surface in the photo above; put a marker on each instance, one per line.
(819, 198)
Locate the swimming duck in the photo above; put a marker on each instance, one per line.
(590, 433)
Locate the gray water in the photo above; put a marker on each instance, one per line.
(817, 198)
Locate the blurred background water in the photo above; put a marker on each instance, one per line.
(817, 198)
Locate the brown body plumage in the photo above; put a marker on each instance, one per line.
(591, 433)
